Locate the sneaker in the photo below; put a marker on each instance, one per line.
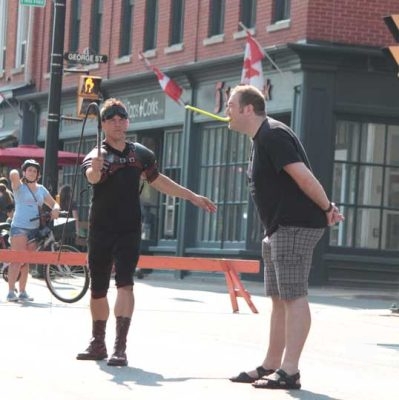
(23, 296)
(12, 296)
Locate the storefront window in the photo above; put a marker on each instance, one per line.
(223, 164)
(366, 185)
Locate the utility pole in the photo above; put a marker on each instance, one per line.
(50, 171)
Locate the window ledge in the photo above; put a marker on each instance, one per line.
(174, 48)
(242, 34)
(278, 25)
(213, 40)
(150, 53)
(123, 59)
(17, 70)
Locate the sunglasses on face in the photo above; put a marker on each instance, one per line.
(110, 113)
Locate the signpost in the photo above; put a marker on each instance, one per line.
(85, 58)
(33, 3)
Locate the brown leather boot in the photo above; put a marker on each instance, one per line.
(119, 358)
(97, 349)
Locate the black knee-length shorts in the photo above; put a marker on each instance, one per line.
(106, 250)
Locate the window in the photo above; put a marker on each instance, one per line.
(126, 28)
(282, 10)
(151, 25)
(216, 17)
(96, 23)
(22, 36)
(366, 185)
(171, 167)
(248, 13)
(223, 165)
(3, 36)
(176, 22)
(74, 32)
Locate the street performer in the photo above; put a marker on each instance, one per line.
(115, 225)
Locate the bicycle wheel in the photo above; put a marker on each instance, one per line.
(68, 283)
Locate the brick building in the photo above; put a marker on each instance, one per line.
(333, 85)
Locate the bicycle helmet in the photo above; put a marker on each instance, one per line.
(30, 163)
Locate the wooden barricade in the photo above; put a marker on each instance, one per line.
(230, 267)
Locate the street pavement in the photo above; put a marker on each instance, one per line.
(185, 342)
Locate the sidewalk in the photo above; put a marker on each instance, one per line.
(185, 342)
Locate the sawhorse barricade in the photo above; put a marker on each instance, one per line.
(230, 267)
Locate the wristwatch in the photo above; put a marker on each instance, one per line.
(330, 207)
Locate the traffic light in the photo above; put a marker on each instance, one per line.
(392, 22)
(89, 91)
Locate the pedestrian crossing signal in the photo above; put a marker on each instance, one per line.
(89, 90)
(392, 22)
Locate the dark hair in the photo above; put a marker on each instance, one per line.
(253, 96)
(112, 107)
(4, 180)
(65, 197)
(6, 194)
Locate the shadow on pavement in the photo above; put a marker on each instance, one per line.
(306, 394)
(126, 375)
(352, 298)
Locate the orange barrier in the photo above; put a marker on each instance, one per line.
(230, 267)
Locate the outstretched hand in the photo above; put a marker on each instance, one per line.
(204, 203)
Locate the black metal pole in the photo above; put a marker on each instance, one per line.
(50, 170)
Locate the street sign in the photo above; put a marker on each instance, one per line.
(34, 3)
(85, 58)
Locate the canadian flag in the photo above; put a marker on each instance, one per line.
(252, 72)
(168, 85)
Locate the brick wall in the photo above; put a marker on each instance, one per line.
(354, 22)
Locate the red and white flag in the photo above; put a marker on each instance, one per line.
(168, 85)
(252, 72)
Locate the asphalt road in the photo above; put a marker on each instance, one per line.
(185, 342)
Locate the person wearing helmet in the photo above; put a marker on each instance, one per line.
(29, 197)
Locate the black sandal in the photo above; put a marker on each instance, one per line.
(243, 377)
(284, 381)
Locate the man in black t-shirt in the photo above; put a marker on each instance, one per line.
(294, 210)
(115, 224)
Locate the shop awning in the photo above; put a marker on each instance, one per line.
(8, 135)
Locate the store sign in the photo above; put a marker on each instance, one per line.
(146, 107)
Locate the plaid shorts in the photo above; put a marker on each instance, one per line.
(287, 256)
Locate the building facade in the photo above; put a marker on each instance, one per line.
(326, 77)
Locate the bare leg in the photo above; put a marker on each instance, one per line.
(18, 243)
(25, 269)
(297, 329)
(124, 304)
(99, 309)
(276, 337)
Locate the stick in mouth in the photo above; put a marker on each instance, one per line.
(208, 114)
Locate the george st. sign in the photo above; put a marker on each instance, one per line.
(85, 58)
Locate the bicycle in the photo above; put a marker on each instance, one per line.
(66, 283)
